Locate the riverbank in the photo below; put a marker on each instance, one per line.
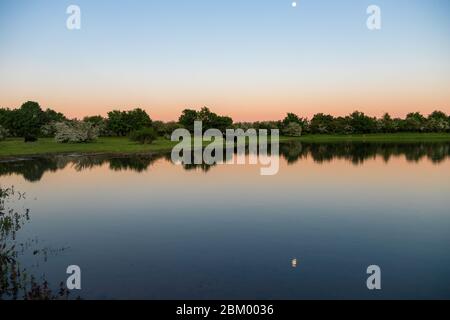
(16, 147)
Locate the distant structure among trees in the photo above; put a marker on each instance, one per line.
(30, 122)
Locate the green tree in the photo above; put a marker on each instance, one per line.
(322, 123)
(362, 123)
(267, 125)
(187, 119)
(51, 116)
(386, 124)
(438, 122)
(293, 118)
(121, 123)
(94, 120)
(415, 122)
(341, 125)
(209, 120)
(116, 123)
(222, 123)
(6, 120)
(138, 119)
(28, 120)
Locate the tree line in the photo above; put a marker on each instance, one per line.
(30, 121)
(355, 123)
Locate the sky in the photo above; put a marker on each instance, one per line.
(251, 60)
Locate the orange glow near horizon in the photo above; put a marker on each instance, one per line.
(247, 97)
(245, 109)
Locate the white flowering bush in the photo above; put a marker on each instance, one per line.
(48, 130)
(75, 132)
(3, 133)
(293, 129)
(438, 125)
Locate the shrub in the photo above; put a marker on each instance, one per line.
(144, 136)
(165, 129)
(75, 132)
(30, 137)
(101, 124)
(293, 129)
(48, 130)
(3, 133)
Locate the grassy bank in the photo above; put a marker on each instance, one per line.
(16, 147)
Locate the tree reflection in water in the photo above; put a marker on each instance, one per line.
(358, 153)
(32, 169)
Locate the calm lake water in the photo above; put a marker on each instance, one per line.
(142, 227)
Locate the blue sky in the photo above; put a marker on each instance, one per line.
(250, 59)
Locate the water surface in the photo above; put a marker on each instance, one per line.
(142, 227)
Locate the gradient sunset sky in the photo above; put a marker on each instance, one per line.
(249, 59)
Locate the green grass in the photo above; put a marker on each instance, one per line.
(16, 147)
